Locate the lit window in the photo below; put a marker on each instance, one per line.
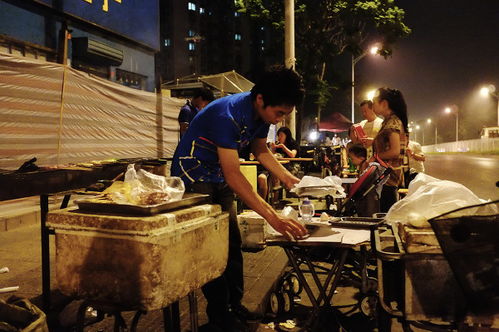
(237, 14)
(201, 10)
(168, 42)
(237, 36)
(262, 41)
(192, 46)
(190, 33)
(191, 6)
(262, 28)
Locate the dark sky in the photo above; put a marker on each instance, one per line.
(452, 51)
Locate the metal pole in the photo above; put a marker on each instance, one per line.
(497, 111)
(436, 135)
(457, 125)
(423, 135)
(289, 49)
(353, 88)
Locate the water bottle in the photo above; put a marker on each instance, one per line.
(306, 210)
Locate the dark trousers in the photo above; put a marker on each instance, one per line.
(227, 289)
(389, 196)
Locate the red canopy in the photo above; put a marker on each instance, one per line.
(335, 123)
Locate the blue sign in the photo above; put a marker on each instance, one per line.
(134, 19)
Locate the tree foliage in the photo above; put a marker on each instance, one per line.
(327, 28)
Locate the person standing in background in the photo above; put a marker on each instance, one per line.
(201, 98)
(390, 143)
(371, 125)
(416, 160)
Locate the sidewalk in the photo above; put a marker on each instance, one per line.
(20, 250)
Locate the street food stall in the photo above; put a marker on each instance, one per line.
(115, 257)
(443, 277)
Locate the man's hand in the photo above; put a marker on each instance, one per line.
(289, 180)
(367, 142)
(288, 227)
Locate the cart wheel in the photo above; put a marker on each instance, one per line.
(276, 302)
(368, 305)
(294, 283)
(372, 284)
(288, 301)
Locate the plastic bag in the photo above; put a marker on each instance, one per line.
(144, 188)
(429, 197)
(314, 186)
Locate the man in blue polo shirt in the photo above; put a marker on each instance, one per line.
(207, 160)
(201, 98)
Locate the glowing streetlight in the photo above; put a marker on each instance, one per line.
(490, 90)
(373, 51)
(313, 136)
(370, 94)
(453, 109)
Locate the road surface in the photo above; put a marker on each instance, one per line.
(479, 173)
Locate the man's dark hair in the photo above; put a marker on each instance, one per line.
(205, 94)
(358, 150)
(279, 86)
(368, 102)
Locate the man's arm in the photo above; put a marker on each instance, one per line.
(183, 127)
(229, 160)
(267, 159)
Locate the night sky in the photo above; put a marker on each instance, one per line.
(452, 51)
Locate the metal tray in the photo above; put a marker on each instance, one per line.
(104, 206)
(356, 222)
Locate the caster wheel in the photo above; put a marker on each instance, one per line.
(276, 303)
(367, 306)
(288, 301)
(372, 284)
(294, 284)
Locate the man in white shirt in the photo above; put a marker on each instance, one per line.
(371, 125)
(416, 159)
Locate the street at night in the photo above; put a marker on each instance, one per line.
(249, 165)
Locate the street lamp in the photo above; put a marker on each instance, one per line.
(373, 50)
(416, 132)
(370, 94)
(490, 90)
(453, 109)
(429, 121)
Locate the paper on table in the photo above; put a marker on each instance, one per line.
(353, 236)
(324, 234)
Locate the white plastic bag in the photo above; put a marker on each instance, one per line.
(317, 187)
(429, 197)
(145, 188)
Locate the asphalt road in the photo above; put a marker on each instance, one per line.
(479, 173)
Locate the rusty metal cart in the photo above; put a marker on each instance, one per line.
(421, 279)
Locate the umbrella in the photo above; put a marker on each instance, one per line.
(336, 123)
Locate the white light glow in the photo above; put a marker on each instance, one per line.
(313, 136)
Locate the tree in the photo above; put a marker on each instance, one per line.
(327, 28)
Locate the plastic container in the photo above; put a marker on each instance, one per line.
(306, 210)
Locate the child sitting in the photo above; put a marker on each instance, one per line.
(369, 204)
(358, 154)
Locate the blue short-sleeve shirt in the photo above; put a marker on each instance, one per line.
(228, 122)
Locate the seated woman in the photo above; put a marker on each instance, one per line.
(286, 147)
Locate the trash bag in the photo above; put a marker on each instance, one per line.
(17, 314)
(429, 197)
